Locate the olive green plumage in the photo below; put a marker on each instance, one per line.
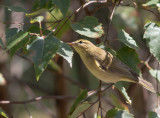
(104, 66)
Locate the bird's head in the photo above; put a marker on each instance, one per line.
(82, 46)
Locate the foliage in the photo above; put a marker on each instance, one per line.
(41, 43)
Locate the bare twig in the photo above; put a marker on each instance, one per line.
(54, 29)
(79, 9)
(99, 98)
(88, 3)
(27, 111)
(146, 62)
(110, 20)
(43, 22)
(88, 108)
(157, 85)
(93, 92)
(5, 102)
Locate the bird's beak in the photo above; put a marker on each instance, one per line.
(71, 44)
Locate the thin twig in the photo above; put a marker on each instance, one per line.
(27, 111)
(110, 20)
(63, 24)
(99, 98)
(88, 3)
(87, 108)
(54, 29)
(157, 85)
(5, 102)
(143, 8)
(93, 92)
(43, 22)
(53, 16)
(146, 62)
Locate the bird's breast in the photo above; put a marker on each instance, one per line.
(95, 68)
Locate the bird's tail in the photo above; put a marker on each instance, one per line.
(147, 85)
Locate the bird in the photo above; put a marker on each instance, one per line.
(105, 66)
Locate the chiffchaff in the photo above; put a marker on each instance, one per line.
(104, 66)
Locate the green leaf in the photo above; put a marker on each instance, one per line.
(152, 36)
(80, 98)
(126, 39)
(19, 45)
(54, 66)
(153, 115)
(111, 112)
(63, 5)
(2, 44)
(44, 50)
(37, 19)
(79, 109)
(155, 74)
(123, 114)
(3, 113)
(129, 57)
(117, 113)
(9, 33)
(40, 11)
(152, 3)
(117, 103)
(120, 87)
(16, 9)
(66, 52)
(89, 27)
(14, 40)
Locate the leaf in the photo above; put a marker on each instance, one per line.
(152, 36)
(21, 44)
(54, 66)
(37, 19)
(120, 87)
(44, 50)
(66, 52)
(14, 40)
(111, 112)
(126, 39)
(40, 11)
(16, 9)
(153, 115)
(89, 27)
(123, 114)
(63, 5)
(10, 32)
(117, 103)
(155, 74)
(82, 96)
(129, 57)
(151, 3)
(2, 44)
(2, 113)
(79, 109)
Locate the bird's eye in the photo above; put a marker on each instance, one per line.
(80, 42)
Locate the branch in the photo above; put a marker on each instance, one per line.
(90, 93)
(88, 3)
(110, 20)
(3, 102)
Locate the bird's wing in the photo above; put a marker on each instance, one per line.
(122, 69)
(104, 61)
(117, 67)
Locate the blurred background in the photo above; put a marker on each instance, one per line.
(19, 76)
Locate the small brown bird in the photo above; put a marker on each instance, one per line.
(104, 66)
